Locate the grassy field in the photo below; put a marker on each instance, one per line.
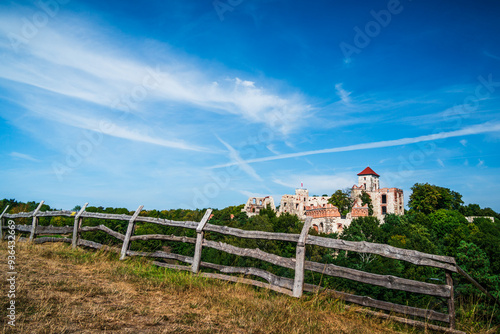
(60, 290)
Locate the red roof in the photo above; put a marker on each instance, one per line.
(368, 171)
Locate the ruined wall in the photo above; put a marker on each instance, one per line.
(470, 219)
(331, 225)
(326, 217)
(255, 204)
(295, 204)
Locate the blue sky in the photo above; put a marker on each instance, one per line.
(192, 104)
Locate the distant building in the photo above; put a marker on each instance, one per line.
(255, 204)
(326, 217)
(470, 219)
(384, 200)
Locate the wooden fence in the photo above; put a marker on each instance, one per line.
(292, 287)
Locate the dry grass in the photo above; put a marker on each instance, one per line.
(60, 290)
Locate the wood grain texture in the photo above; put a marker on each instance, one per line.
(162, 255)
(251, 234)
(408, 255)
(300, 255)
(53, 229)
(406, 321)
(96, 245)
(387, 281)
(2, 221)
(271, 278)
(19, 215)
(387, 306)
(255, 253)
(163, 237)
(172, 266)
(451, 300)
(199, 241)
(248, 281)
(130, 230)
(77, 223)
(51, 239)
(22, 228)
(35, 221)
(166, 222)
(60, 213)
(476, 284)
(103, 228)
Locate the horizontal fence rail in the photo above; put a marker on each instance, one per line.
(292, 287)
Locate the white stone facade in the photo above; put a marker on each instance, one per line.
(326, 217)
(255, 204)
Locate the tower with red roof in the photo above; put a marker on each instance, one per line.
(368, 180)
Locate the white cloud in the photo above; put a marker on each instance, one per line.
(74, 60)
(343, 94)
(236, 158)
(23, 156)
(471, 130)
(440, 162)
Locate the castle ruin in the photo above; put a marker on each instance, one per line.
(326, 218)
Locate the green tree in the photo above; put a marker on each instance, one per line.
(366, 199)
(342, 200)
(363, 229)
(427, 198)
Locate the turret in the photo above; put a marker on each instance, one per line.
(368, 180)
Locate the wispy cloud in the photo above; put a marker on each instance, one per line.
(81, 64)
(471, 130)
(23, 156)
(486, 53)
(343, 94)
(237, 160)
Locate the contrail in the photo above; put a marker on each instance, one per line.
(471, 130)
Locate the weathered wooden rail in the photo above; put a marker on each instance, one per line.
(292, 287)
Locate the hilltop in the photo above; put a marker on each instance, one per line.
(66, 291)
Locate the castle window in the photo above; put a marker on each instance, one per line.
(297, 206)
(365, 178)
(384, 210)
(364, 185)
(384, 199)
(254, 201)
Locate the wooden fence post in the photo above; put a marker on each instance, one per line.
(298, 283)
(2, 219)
(130, 230)
(451, 300)
(199, 241)
(76, 226)
(34, 224)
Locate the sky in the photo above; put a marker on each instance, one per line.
(196, 104)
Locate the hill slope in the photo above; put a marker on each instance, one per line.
(60, 290)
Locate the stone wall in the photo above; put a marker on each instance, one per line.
(255, 204)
